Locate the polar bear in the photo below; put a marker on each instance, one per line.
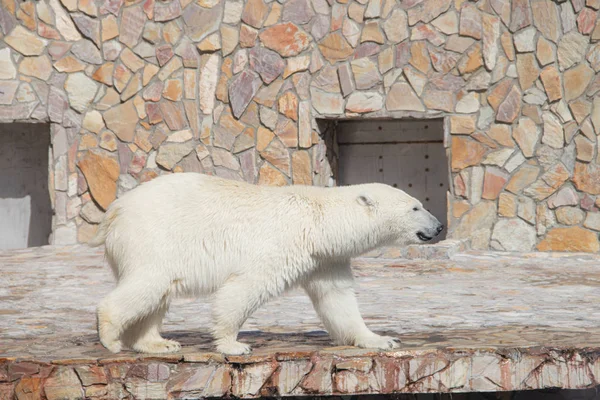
(188, 234)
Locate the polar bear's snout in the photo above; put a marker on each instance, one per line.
(430, 226)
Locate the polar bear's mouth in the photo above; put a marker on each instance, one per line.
(423, 237)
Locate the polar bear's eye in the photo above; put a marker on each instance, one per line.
(415, 209)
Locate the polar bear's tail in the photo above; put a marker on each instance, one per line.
(104, 227)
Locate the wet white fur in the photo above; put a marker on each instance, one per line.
(187, 235)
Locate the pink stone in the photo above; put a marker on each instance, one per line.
(546, 18)
(510, 108)
(164, 53)
(586, 21)
(286, 39)
(493, 183)
(267, 63)
(520, 15)
(154, 91)
(132, 25)
(470, 21)
(111, 6)
(241, 91)
(174, 115)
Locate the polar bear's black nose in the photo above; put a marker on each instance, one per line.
(439, 229)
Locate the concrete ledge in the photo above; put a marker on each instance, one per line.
(331, 371)
(473, 322)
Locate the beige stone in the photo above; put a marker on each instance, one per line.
(573, 239)
(270, 176)
(521, 179)
(69, 64)
(301, 168)
(544, 51)
(553, 131)
(502, 134)
(507, 45)
(507, 205)
(93, 122)
(528, 70)
(335, 48)
(7, 67)
(25, 42)
(288, 105)
(64, 23)
(585, 148)
(122, 120)
(586, 178)
(592, 221)
(552, 83)
(447, 23)
(173, 89)
(133, 87)
(170, 154)
(466, 152)
(577, 80)
(365, 72)
(402, 98)
(571, 49)
(462, 125)
(363, 102)
(101, 173)
(38, 67)
(581, 109)
(396, 26)
(372, 33)
(569, 215)
(419, 57)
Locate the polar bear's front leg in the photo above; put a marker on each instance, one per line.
(332, 293)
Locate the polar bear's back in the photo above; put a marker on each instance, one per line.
(194, 196)
(190, 224)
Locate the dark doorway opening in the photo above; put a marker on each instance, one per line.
(25, 207)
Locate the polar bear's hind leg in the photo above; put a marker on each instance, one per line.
(132, 314)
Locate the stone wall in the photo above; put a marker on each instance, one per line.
(135, 89)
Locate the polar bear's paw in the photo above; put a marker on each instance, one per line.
(157, 346)
(234, 348)
(114, 346)
(374, 341)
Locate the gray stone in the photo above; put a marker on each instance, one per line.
(170, 154)
(81, 90)
(87, 52)
(201, 22)
(571, 49)
(91, 213)
(514, 235)
(268, 117)
(89, 27)
(298, 11)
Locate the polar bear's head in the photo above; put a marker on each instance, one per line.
(402, 217)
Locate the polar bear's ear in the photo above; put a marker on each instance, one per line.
(365, 200)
